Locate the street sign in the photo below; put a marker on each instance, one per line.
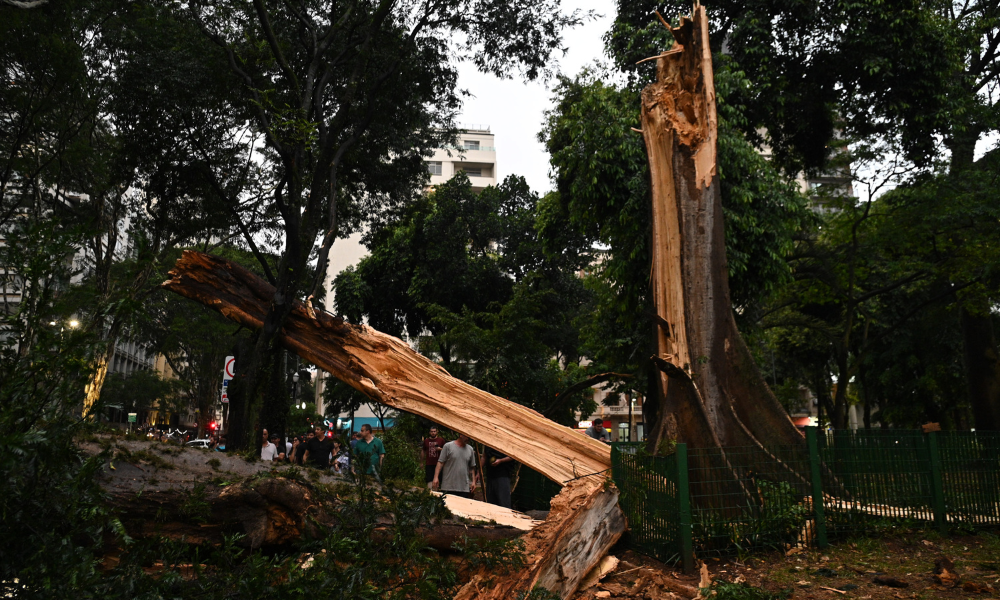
(230, 369)
(225, 383)
(225, 398)
(131, 417)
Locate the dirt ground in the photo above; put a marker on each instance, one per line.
(844, 570)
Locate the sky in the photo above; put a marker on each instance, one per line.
(514, 109)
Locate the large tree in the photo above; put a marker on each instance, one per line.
(349, 97)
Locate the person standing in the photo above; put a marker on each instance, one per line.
(456, 469)
(276, 442)
(300, 452)
(267, 450)
(597, 431)
(318, 450)
(370, 451)
(499, 468)
(430, 450)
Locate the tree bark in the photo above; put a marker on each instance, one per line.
(387, 370)
(982, 367)
(713, 392)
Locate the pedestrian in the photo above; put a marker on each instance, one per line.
(300, 453)
(222, 444)
(288, 449)
(597, 431)
(268, 451)
(318, 450)
(355, 437)
(370, 452)
(499, 469)
(276, 442)
(456, 469)
(431, 449)
(340, 459)
(293, 456)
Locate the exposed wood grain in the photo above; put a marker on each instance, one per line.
(583, 523)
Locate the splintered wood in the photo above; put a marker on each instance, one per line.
(712, 392)
(585, 519)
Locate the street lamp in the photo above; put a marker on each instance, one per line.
(74, 324)
(295, 387)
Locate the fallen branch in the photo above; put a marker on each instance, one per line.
(563, 548)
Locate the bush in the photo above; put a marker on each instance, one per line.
(402, 458)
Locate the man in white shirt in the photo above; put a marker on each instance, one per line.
(268, 450)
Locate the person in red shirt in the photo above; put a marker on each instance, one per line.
(430, 451)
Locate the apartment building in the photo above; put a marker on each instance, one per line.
(473, 153)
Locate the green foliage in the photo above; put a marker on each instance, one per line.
(138, 391)
(402, 459)
(495, 556)
(195, 505)
(473, 270)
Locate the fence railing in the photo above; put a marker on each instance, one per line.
(712, 501)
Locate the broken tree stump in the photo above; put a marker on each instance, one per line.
(711, 392)
(564, 547)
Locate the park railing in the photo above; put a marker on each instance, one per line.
(731, 501)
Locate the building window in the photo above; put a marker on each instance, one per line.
(623, 432)
(470, 144)
(434, 167)
(473, 171)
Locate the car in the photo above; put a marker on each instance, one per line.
(199, 444)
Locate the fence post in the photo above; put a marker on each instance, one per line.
(684, 508)
(817, 486)
(937, 482)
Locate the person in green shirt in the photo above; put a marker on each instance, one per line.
(372, 447)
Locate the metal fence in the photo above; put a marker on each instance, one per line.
(711, 502)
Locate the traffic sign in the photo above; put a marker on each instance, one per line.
(131, 417)
(230, 368)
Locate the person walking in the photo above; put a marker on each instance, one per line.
(370, 452)
(456, 469)
(431, 449)
(318, 450)
(499, 468)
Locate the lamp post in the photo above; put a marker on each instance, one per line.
(295, 387)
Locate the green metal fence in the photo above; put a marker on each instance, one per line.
(713, 502)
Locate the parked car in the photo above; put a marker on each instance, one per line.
(200, 443)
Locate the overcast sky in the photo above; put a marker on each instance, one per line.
(513, 109)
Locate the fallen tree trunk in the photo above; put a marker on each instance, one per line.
(564, 547)
(387, 370)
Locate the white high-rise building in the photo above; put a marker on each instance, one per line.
(474, 153)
